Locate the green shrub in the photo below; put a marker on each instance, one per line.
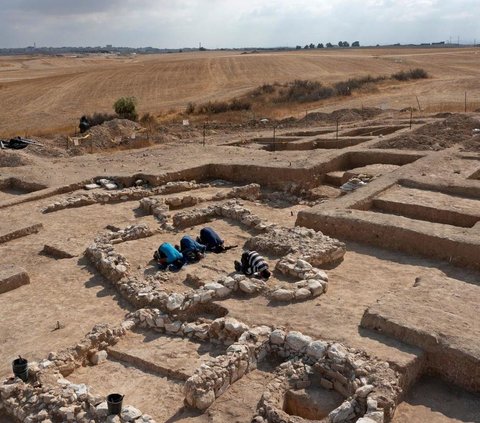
(125, 107)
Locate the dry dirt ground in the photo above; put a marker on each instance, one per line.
(416, 220)
(47, 93)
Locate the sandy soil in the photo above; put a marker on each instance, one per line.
(433, 401)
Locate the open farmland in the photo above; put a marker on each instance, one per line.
(51, 93)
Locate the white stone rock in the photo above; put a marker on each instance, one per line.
(175, 301)
(92, 186)
(302, 294)
(220, 290)
(337, 352)
(173, 327)
(297, 341)
(229, 282)
(110, 186)
(247, 286)
(317, 349)
(302, 264)
(102, 409)
(129, 414)
(283, 295)
(205, 399)
(342, 413)
(315, 287)
(376, 416)
(98, 357)
(365, 420)
(277, 337)
(364, 390)
(233, 325)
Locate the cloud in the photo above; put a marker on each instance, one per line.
(233, 23)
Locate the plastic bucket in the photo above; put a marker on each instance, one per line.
(20, 368)
(114, 403)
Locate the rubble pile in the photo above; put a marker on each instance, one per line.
(298, 243)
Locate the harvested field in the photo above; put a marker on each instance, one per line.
(30, 85)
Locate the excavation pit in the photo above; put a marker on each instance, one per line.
(13, 187)
(309, 133)
(373, 131)
(312, 403)
(429, 206)
(320, 143)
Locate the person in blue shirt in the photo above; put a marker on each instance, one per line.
(191, 250)
(211, 240)
(168, 257)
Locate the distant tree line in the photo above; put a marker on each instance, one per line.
(329, 45)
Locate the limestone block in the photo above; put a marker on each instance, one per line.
(302, 294)
(234, 326)
(337, 352)
(297, 341)
(317, 349)
(247, 286)
(343, 413)
(277, 337)
(364, 390)
(175, 301)
(220, 290)
(315, 287)
(376, 416)
(283, 294)
(98, 357)
(12, 277)
(129, 414)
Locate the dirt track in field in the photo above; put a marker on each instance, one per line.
(47, 93)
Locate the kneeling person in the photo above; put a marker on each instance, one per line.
(168, 257)
(253, 264)
(191, 250)
(211, 240)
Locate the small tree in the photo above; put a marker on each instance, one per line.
(312, 45)
(356, 44)
(346, 44)
(306, 46)
(319, 45)
(125, 108)
(298, 47)
(329, 45)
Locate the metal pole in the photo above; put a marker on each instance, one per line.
(274, 143)
(418, 102)
(204, 131)
(411, 115)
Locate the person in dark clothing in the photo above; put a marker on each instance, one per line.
(84, 124)
(168, 257)
(191, 250)
(211, 240)
(253, 264)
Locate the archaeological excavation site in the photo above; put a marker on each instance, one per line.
(371, 231)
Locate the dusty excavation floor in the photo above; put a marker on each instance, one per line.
(406, 291)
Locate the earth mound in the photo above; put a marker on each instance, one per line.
(455, 129)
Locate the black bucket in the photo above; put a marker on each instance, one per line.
(20, 368)
(114, 403)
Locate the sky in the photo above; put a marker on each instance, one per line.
(232, 23)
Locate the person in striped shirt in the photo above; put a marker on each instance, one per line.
(253, 264)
